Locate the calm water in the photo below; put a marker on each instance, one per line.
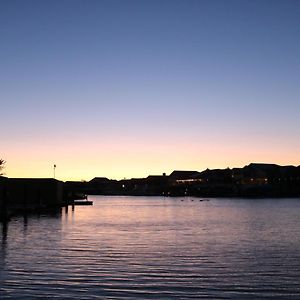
(155, 248)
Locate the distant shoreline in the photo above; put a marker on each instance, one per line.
(254, 181)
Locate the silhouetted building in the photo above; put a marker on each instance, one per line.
(99, 181)
(183, 175)
(34, 193)
(221, 176)
(102, 185)
(256, 179)
(259, 173)
(237, 175)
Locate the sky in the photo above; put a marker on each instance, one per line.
(125, 88)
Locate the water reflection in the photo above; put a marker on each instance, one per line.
(25, 223)
(155, 248)
(4, 232)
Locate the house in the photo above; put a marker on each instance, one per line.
(33, 193)
(216, 176)
(259, 173)
(182, 175)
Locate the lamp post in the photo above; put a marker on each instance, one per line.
(54, 167)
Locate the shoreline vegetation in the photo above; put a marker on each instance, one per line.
(26, 195)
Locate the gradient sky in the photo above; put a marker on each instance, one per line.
(130, 88)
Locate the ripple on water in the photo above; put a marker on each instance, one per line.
(156, 248)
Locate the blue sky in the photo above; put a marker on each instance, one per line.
(159, 76)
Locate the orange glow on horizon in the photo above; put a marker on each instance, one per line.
(130, 158)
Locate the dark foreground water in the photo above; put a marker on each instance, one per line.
(155, 248)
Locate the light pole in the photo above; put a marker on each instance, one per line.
(54, 167)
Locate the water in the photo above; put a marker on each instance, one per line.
(155, 248)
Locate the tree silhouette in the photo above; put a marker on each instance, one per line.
(2, 162)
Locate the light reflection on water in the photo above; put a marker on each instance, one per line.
(155, 248)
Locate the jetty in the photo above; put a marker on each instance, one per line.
(82, 202)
